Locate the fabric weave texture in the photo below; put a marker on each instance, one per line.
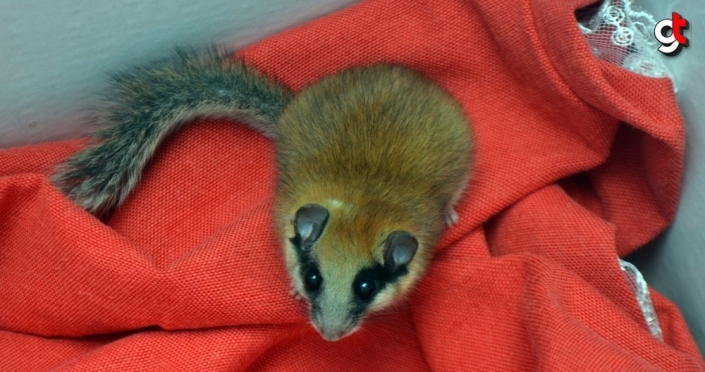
(577, 162)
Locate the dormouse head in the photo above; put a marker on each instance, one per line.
(345, 272)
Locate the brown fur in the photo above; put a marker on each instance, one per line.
(382, 149)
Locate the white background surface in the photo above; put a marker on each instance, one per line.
(54, 56)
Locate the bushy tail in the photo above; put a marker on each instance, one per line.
(148, 103)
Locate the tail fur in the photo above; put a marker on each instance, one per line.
(148, 103)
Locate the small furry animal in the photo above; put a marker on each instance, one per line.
(370, 162)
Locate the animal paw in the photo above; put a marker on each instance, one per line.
(295, 293)
(451, 217)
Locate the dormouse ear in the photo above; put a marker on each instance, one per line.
(400, 249)
(309, 223)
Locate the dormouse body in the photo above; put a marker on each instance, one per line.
(370, 162)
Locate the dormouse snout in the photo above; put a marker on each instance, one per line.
(334, 325)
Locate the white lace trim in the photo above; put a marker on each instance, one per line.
(641, 291)
(622, 34)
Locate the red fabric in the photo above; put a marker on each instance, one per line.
(187, 275)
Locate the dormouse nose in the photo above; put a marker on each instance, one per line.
(333, 332)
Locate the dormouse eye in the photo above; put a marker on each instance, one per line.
(365, 289)
(312, 279)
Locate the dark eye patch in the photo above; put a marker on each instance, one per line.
(309, 271)
(372, 280)
(312, 278)
(365, 288)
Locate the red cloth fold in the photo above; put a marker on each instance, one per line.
(577, 162)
